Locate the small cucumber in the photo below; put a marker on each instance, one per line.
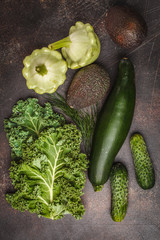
(119, 189)
(143, 166)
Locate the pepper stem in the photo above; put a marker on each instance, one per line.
(41, 69)
(65, 42)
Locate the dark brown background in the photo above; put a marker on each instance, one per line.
(27, 25)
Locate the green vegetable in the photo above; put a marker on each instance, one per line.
(142, 162)
(125, 26)
(27, 121)
(119, 189)
(84, 121)
(89, 86)
(49, 176)
(112, 125)
(44, 70)
(81, 47)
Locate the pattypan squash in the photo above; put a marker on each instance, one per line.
(81, 47)
(44, 70)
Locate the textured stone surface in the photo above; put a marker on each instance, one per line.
(26, 25)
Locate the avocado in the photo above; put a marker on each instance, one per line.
(89, 85)
(143, 165)
(119, 190)
(125, 26)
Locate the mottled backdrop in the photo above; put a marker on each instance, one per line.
(27, 25)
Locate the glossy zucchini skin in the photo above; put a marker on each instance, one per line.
(142, 162)
(119, 191)
(113, 124)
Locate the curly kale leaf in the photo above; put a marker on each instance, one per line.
(27, 121)
(49, 178)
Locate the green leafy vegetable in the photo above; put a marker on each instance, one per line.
(49, 176)
(44, 70)
(84, 121)
(27, 121)
(81, 47)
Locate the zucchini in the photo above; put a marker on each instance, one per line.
(143, 165)
(119, 190)
(112, 125)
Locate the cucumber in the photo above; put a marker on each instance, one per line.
(112, 125)
(143, 165)
(119, 190)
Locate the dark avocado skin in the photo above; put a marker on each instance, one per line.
(112, 124)
(89, 85)
(125, 26)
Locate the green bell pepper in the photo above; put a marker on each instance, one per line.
(44, 70)
(81, 47)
